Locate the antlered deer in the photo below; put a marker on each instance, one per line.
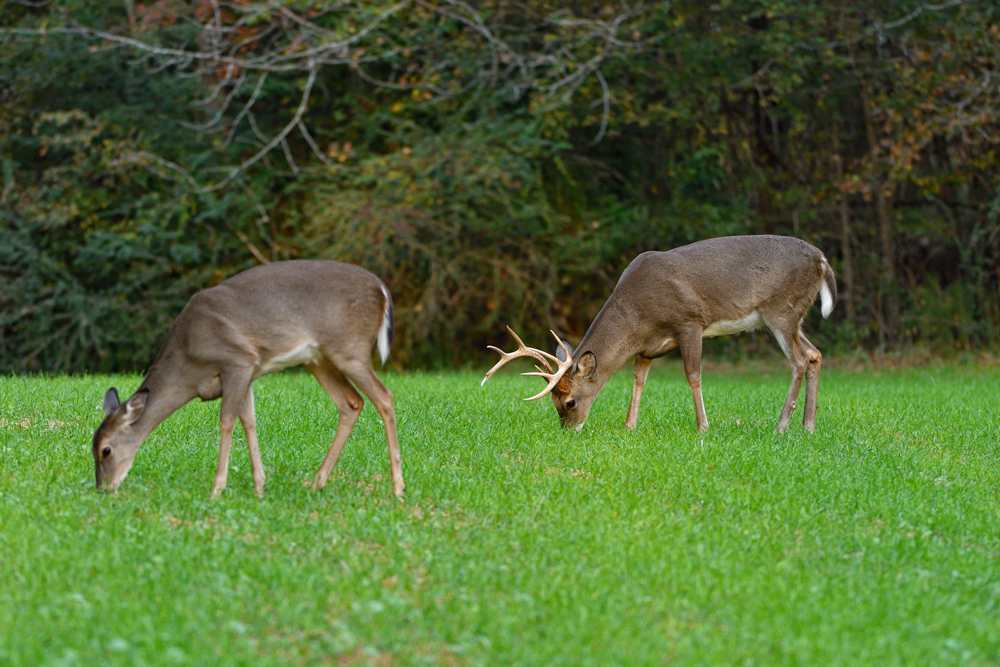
(324, 315)
(674, 299)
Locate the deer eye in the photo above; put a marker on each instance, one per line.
(570, 404)
(106, 452)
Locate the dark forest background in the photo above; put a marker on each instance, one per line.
(493, 162)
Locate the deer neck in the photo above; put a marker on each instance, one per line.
(169, 390)
(611, 339)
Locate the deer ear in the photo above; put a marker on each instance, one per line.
(585, 367)
(135, 406)
(111, 401)
(560, 355)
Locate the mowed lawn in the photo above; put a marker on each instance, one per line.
(875, 541)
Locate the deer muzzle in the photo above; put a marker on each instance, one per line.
(110, 480)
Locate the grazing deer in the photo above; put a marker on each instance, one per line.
(674, 299)
(321, 314)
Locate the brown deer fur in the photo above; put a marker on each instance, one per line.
(324, 315)
(674, 299)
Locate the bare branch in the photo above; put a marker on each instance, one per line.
(254, 250)
(607, 109)
(397, 86)
(288, 154)
(225, 105)
(256, 130)
(246, 109)
(341, 47)
(754, 78)
(218, 88)
(554, 53)
(920, 10)
(976, 93)
(274, 142)
(147, 159)
(312, 144)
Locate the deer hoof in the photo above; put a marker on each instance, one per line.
(318, 482)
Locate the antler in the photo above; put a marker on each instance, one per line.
(538, 355)
(522, 351)
(553, 378)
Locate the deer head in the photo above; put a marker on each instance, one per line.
(572, 386)
(117, 439)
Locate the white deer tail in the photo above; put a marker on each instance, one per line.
(827, 290)
(385, 329)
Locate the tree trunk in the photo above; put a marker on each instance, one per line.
(883, 215)
(130, 12)
(847, 257)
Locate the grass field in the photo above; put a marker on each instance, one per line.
(874, 542)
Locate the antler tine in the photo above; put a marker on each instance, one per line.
(522, 351)
(520, 345)
(504, 358)
(553, 378)
(566, 350)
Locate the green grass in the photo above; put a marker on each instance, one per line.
(874, 542)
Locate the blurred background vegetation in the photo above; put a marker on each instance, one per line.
(493, 162)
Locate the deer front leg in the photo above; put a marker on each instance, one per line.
(639, 374)
(234, 391)
(249, 420)
(222, 471)
(690, 344)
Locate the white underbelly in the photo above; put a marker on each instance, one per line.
(306, 353)
(726, 327)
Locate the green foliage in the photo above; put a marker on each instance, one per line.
(494, 164)
(463, 231)
(458, 227)
(97, 253)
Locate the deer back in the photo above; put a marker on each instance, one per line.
(280, 315)
(709, 282)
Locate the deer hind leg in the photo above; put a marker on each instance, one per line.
(690, 343)
(815, 360)
(364, 378)
(234, 391)
(639, 374)
(249, 421)
(349, 404)
(787, 335)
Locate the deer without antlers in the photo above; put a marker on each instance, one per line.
(324, 315)
(669, 300)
